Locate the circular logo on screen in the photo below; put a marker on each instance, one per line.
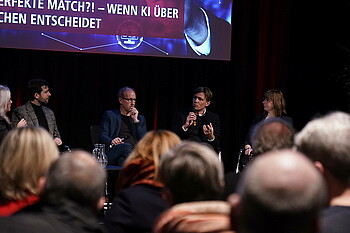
(128, 34)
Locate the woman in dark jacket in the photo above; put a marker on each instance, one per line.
(138, 201)
(274, 106)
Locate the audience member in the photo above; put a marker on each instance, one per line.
(122, 129)
(280, 192)
(72, 196)
(325, 140)
(197, 123)
(271, 134)
(25, 156)
(138, 200)
(193, 183)
(34, 111)
(274, 106)
(5, 107)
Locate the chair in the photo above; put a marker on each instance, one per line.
(242, 161)
(94, 133)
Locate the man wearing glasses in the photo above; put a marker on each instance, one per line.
(121, 129)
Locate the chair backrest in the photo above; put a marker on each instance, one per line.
(94, 132)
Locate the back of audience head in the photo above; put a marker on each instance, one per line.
(25, 156)
(272, 134)
(281, 191)
(191, 172)
(76, 176)
(153, 145)
(326, 140)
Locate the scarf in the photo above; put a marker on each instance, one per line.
(136, 172)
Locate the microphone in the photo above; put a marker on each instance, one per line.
(111, 145)
(195, 112)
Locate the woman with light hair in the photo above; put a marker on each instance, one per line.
(5, 107)
(138, 201)
(25, 156)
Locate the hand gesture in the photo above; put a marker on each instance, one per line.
(22, 123)
(248, 150)
(209, 131)
(58, 141)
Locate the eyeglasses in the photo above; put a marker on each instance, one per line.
(128, 99)
(266, 100)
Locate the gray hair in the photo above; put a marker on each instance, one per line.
(192, 172)
(281, 191)
(326, 139)
(78, 177)
(124, 89)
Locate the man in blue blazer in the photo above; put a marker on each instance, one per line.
(122, 129)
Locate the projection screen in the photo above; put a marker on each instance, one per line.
(167, 28)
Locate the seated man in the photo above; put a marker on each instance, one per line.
(197, 123)
(193, 181)
(280, 192)
(72, 196)
(122, 129)
(34, 112)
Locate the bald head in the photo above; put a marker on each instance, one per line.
(284, 188)
(76, 176)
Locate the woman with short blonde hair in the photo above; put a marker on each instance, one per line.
(25, 156)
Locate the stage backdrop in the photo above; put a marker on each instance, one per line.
(276, 44)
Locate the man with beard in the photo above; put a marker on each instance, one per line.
(34, 111)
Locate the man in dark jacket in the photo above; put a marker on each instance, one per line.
(72, 196)
(197, 123)
(122, 129)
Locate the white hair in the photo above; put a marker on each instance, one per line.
(5, 96)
